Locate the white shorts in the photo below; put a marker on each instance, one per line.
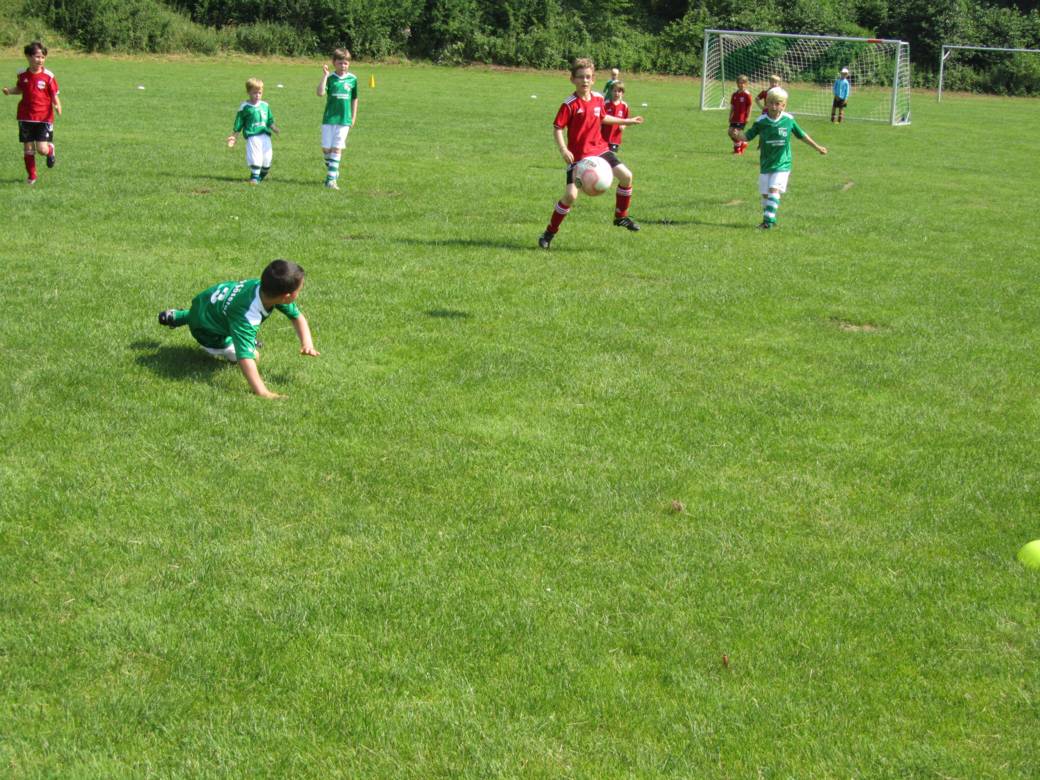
(772, 181)
(258, 151)
(224, 353)
(334, 136)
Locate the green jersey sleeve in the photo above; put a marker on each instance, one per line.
(290, 310)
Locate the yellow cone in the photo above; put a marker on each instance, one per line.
(372, 81)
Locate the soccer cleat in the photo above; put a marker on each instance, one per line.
(545, 239)
(626, 222)
(167, 318)
(30, 182)
(331, 185)
(51, 159)
(766, 226)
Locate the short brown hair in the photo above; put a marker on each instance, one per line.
(619, 84)
(254, 83)
(281, 277)
(31, 48)
(340, 54)
(582, 62)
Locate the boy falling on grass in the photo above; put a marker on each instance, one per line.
(256, 123)
(36, 109)
(775, 127)
(577, 130)
(225, 318)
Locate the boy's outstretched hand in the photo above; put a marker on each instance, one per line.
(309, 351)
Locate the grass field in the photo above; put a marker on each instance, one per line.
(451, 551)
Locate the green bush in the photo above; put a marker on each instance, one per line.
(266, 38)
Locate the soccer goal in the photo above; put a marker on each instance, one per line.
(1000, 64)
(808, 65)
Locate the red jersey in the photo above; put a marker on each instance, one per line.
(38, 91)
(762, 97)
(740, 107)
(612, 133)
(582, 120)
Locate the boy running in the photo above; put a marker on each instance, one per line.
(578, 133)
(225, 318)
(36, 109)
(775, 127)
(256, 123)
(340, 91)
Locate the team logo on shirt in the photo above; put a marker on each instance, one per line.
(41, 84)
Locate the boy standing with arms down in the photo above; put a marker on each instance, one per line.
(739, 111)
(842, 88)
(225, 318)
(256, 123)
(578, 133)
(340, 91)
(775, 127)
(36, 109)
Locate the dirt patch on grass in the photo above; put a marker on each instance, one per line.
(855, 327)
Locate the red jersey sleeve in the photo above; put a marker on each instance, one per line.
(562, 117)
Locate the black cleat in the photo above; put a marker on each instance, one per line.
(626, 222)
(166, 318)
(51, 160)
(545, 239)
(766, 226)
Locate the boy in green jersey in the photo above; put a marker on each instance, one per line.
(775, 128)
(340, 90)
(225, 318)
(256, 123)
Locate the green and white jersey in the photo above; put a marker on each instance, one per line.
(775, 150)
(254, 119)
(232, 311)
(340, 93)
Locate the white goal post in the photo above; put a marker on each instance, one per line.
(808, 65)
(947, 50)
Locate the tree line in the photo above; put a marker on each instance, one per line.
(662, 36)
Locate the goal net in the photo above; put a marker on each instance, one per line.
(989, 69)
(879, 72)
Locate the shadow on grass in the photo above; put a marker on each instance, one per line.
(702, 222)
(466, 242)
(243, 179)
(177, 362)
(448, 314)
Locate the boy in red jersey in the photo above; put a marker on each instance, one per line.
(36, 109)
(615, 106)
(740, 109)
(578, 133)
(760, 99)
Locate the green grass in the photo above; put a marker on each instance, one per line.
(450, 552)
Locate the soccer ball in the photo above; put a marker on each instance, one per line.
(593, 175)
